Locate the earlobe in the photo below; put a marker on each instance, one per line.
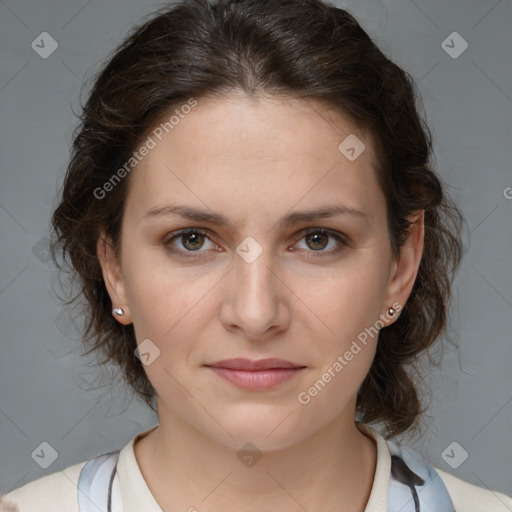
(113, 278)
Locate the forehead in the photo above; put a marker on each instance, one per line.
(257, 151)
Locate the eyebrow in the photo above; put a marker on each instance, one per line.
(192, 213)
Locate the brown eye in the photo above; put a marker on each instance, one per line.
(318, 240)
(189, 241)
(192, 241)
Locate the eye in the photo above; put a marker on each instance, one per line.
(318, 239)
(191, 240)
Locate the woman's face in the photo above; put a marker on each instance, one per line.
(267, 283)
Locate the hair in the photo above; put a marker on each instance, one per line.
(295, 48)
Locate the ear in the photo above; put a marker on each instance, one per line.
(112, 276)
(405, 269)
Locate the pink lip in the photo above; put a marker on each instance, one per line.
(249, 365)
(255, 375)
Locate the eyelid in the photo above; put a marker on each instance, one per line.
(332, 232)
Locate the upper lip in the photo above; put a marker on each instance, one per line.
(250, 365)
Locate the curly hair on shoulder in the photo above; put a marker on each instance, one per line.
(298, 48)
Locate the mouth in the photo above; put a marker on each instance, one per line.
(256, 375)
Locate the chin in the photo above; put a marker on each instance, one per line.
(267, 433)
(247, 439)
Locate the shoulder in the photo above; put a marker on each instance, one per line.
(56, 492)
(467, 497)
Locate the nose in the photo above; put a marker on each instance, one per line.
(255, 301)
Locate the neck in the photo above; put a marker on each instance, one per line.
(185, 469)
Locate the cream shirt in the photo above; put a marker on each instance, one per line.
(57, 492)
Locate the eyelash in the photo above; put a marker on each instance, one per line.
(343, 242)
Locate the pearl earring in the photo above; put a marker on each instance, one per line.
(118, 312)
(391, 312)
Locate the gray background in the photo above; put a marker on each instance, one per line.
(49, 393)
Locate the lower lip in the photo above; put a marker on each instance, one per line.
(256, 380)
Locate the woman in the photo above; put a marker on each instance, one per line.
(266, 252)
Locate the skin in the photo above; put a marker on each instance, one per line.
(254, 160)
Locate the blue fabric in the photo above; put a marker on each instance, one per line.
(414, 485)
(96, 490)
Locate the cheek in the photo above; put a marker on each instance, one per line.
(345, 361)
(349, 306)
(158, 294)
(335, 389)
(348, 300)
(170, 308)
(163, 312)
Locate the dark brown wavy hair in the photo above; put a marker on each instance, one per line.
(298, 48)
